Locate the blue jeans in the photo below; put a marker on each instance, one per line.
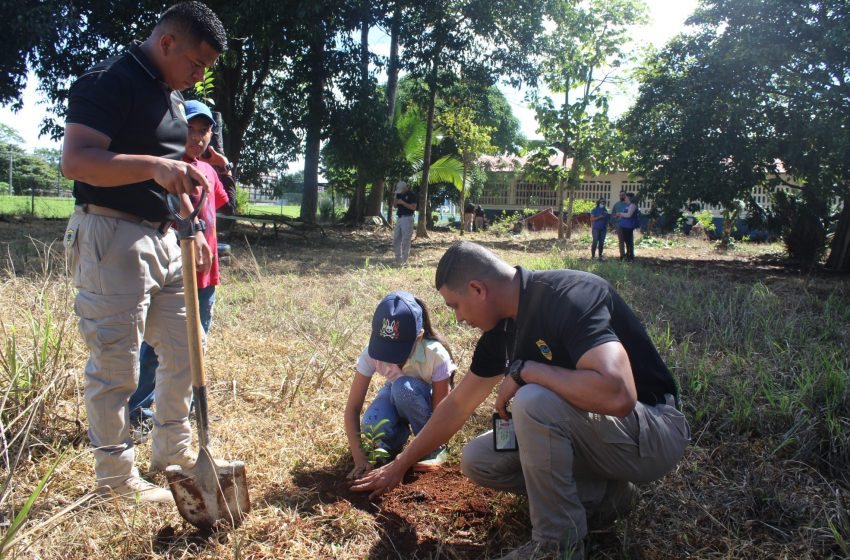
(406, 404)
(141, 401)
(598, 240)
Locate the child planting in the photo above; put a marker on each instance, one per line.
(417, 366)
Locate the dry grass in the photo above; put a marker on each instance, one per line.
(290, 320)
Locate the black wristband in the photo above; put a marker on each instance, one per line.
(515, 371)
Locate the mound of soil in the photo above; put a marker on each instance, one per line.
(437, 514)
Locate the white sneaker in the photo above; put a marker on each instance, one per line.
(186, 459)
(136, 489)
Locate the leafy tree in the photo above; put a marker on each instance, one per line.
(412, 132)
(471, 140)
(392, 22)
(757, 89)
(52, 156)
(580, 54)
(31, 172)
(9, 135)
(488, 105)
(446, 40)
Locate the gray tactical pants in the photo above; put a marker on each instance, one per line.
(129, 287)
(402, 234)
(567, 457)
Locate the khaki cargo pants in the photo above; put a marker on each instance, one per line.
(129, 287)
(567, 457)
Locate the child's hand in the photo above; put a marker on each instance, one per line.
(359, 470)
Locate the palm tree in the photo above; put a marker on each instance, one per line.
(411, 128)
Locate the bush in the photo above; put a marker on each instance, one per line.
(326, 208)
(241, 200)
(582, 206)
(801, 221)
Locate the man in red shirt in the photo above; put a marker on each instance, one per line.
(203, 157)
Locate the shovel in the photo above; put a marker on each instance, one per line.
(212, 492)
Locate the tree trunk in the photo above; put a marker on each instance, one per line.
(839, 250)
(360, 195)
(561, 208)
(392, 69)
(421, 226)
(237, 86)
(373, 205)
(563, 164)
(315, 120)
(463, 196)
(572, 182)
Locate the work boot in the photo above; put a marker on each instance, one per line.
(135, 489)
(619, 500)
(186, 459)
(535, 550)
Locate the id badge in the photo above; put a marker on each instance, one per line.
(504, 436)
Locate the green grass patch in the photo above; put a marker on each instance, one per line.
(292, 211)
(40, 206)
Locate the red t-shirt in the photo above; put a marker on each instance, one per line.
(216, 198)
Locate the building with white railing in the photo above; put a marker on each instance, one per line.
(506, 188)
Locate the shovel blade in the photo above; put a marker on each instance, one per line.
(211, 493)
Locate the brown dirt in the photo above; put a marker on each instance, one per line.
(436, 514)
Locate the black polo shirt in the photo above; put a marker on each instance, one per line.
(408, 197)
(563, 314)
(126, 99)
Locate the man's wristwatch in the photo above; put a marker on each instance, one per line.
(515, 371)
(228, 166)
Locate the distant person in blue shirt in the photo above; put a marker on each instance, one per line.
(599, 227)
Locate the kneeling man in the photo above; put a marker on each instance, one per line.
(593, 404)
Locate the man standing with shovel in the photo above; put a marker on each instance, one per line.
(124, 137)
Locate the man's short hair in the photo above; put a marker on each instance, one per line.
(196, 21)
(465, 261)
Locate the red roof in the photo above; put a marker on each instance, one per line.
(515, 163)
(545, 219)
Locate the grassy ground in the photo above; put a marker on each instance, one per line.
(44, 206)
(62, 207)
(293, 211)
(760, 351)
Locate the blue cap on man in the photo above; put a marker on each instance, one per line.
(195, 108)
(395, 327)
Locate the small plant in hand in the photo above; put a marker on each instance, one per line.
(370, 442)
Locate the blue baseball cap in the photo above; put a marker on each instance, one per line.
(195, 108)
(395, 327)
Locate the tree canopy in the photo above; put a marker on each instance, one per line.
(580, 55)
(756, 93)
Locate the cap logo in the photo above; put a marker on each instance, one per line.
(389, 329)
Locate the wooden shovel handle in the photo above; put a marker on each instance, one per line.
(193, 318)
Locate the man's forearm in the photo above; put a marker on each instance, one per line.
(584, 388)
(102, 168)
